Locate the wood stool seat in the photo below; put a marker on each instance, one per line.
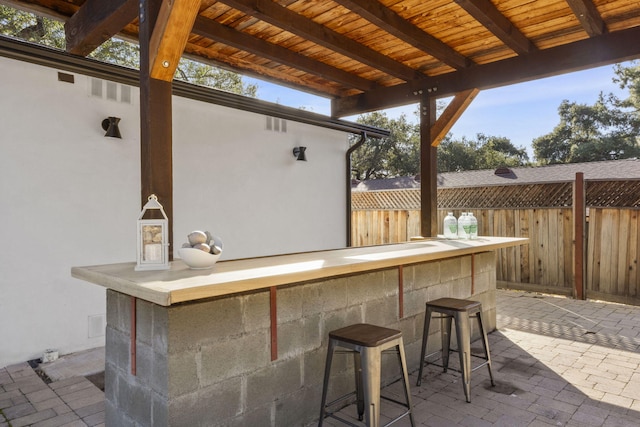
(365, 335)
(458, 310)
(454, 304)
(366, 342)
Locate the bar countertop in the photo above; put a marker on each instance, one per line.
(181, 284)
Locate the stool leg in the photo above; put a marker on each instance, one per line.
(371, 385)
(325, 383)
(425, 335)
(405, 379)
(445, 335)
(485, 344)
(357, 366)
(464, 351)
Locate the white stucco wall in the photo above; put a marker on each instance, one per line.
(69, 197)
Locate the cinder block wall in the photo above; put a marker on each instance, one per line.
(208, 363)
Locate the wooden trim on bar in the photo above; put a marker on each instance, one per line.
(400, 291)
(133, 345)
(473, 274)
(274, 322)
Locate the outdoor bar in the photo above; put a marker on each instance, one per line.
(244, 343)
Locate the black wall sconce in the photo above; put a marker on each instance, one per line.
(110, 124)
(298, 153)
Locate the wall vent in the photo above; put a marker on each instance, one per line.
(96, 88)
(110, 90)
(125, 94)
(97, 325)
(275, 124)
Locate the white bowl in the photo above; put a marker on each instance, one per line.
(197, 259)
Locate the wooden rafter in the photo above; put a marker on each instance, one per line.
(210, 29)
(490, 17)
(96, 22)
(366, 54)
(393, 23)
(275, 14)
(170, 35)
(588, 16)
(597, 51)
(451, 114)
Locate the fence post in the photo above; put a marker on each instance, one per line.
(579, 218)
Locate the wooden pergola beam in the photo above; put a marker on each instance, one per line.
(490, 17)
(96, 22)
(451, 114)
(210, 29)
(278, 15)
(588, 16)
(606, 49)
(393, 23)
(170, 35)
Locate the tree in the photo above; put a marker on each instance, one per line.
(48, 32)
(397, 155)
(485, 152)
(206, 75)
(607, 130)
(629, 78)
(28, 27)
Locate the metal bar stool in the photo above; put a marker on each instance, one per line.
(366, 342)
(459, 310)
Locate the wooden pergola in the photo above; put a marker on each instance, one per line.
(365, 55)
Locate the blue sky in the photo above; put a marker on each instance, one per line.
(519, 112)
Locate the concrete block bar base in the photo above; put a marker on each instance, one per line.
(254, 354)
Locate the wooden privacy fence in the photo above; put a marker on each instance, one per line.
(547, 263)
(612, 255)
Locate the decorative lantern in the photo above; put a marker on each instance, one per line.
(153, 242)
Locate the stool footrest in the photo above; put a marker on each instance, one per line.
(340, 399)
(483, 364)
(347, 422)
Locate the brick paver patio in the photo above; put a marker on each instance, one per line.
(556, 362)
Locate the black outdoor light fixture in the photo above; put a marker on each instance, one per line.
(298, 153)
(110, 124)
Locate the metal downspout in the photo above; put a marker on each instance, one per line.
(354, 147)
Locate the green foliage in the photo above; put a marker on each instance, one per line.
(29, 27)
(206, 75)
(607, 130)
(118, 52)
(398, 155)
(485, 152)
(629, 78)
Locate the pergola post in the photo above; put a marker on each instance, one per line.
(428, 169)
(579, 222)
(156, 160)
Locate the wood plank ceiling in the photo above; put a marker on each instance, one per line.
(369, 54)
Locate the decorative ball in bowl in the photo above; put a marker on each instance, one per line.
(202, 250)
(197, 258)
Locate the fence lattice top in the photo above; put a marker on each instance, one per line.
(622, 193)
